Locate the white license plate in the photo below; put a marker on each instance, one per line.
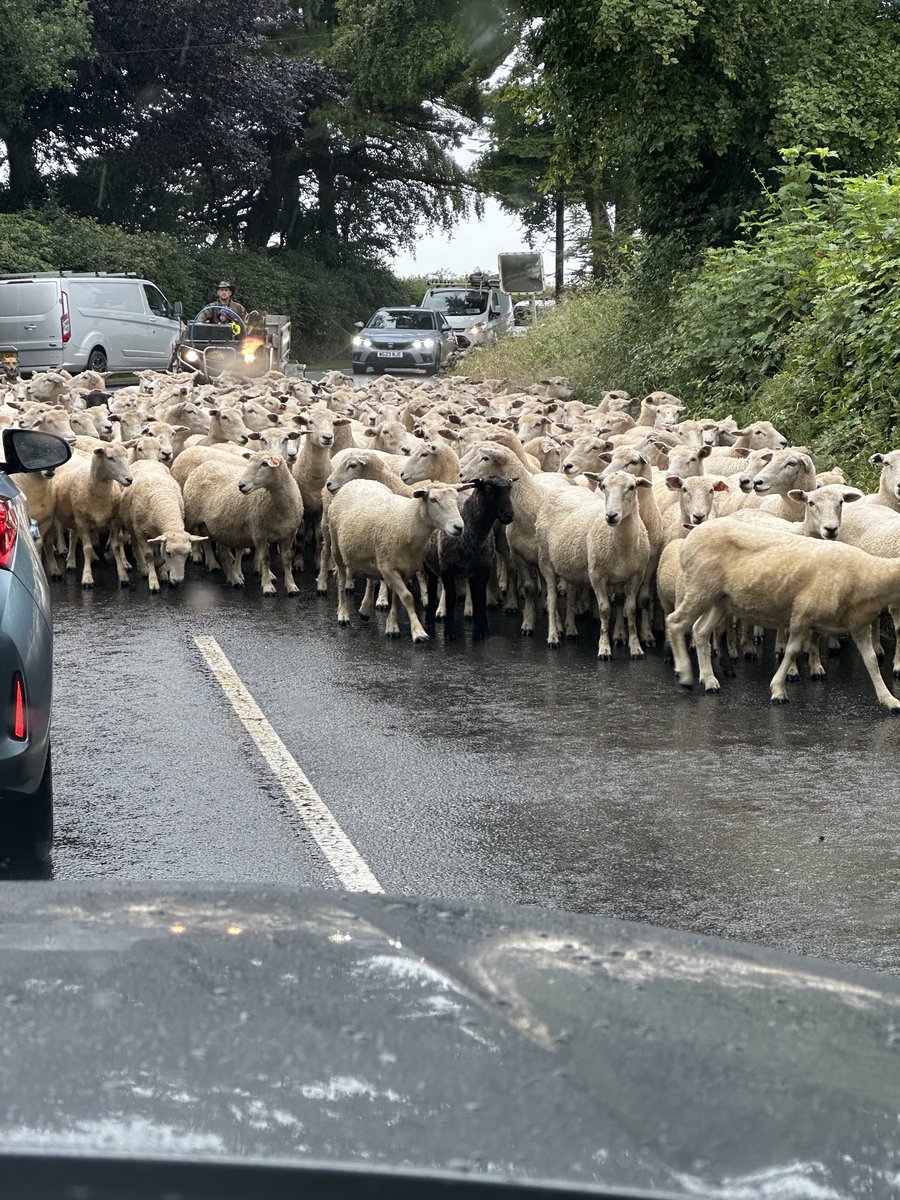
(390, 353)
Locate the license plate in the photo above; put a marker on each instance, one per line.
(390, 353)
(9, 360)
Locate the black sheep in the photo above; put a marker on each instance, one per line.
(469, 556)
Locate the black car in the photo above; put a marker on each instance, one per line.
(26, 654)
(403, 337)
(394, 1048)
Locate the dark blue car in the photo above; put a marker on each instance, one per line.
(26, 655)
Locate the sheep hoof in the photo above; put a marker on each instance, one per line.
(344, 622)
(511, 609)
(552, 643)
(363, 616)
(780, 700)
(712, 689)
(896, 672)
(604, 655)
(269, 591)
(571, 637)
(70, 570)
(419, 639)
(792, 676)
(751, 656)
(87, 583)
(124, 583)
(395, 633)
(293, 591)
(637, 654)
(816, 676)
(321, 591)
(685, 686)
(526, 633)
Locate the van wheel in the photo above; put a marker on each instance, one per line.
(97, 359)
(28, 829)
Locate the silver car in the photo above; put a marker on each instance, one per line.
(26, 655)
(403, 337)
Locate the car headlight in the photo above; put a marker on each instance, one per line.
(249, 358)
(423, 344)
(477, 329)
(361, 341)
(191, 355)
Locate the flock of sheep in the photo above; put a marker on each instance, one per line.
(529, 499)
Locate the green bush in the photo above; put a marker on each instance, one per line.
(322, 302)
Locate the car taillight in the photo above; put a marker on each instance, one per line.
(65, 324)
(19, 727)
(8, 530)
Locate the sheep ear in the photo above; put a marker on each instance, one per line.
(464, 487)
(741, 452)
(721, 486)
(595, 475)
(195, 537)
(370, 433)
(338, 422)
(673, 483)
(797, 494)
(98, 450)
(247, 453)
(877, 460)
(274, 418)
(704, 452)
(420, 493)
(641, 482)
(766, 455)
(298, 420)
(155, 540)
(849, 497)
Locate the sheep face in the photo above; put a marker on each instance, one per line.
(174, 548)
(260, 472)
(620, 494)
(762, 435)
(824, 508)
(890, 471)
(442, 507)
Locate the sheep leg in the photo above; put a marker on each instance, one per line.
(231, 562)
(442, 604)
(467, 608)
(87, 546)
(261, 564)
(678, 623)
(530, 589)
(598, 583)
(703, 631)
(478, 590)
(816, 670)
(895, 617)
(431, 603)
(324, 560)
(117, 542)
(343, 608)
(876, 637)
(209, 556)
(367, 607)
(71, 553)
(618, 636)
(863, 639)
(549, 576)
(631, 618)
(791, 650)
(286, 558)
(448, 580)
(574, 605)
(397, 584)
(384, 600)
(148, 565)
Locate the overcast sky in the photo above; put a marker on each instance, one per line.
(472, 244)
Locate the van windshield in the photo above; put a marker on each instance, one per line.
(458, 302)
(27, 299)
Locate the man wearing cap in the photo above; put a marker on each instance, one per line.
(216, 316)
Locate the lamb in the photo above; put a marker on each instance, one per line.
(778, 579)
(470, 556)
(152, 512)
(377, 533)
(242, 504)
(86, 494)
(599, 544)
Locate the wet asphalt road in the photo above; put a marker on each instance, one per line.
(499, 772)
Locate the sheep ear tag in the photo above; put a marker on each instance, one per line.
(275, 461)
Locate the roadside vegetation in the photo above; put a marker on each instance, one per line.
(796, 321)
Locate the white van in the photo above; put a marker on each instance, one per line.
(79, 321)
(478, 314)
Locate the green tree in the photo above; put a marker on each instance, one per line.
(40, 40)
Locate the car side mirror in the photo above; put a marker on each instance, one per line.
(358, 325)
(30, 450)
(177, 310)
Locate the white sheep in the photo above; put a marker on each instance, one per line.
(86, 494)
(381, 535)
(152, 513)
(776, 579)
(247, 504)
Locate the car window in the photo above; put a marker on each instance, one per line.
(459, 303)
(386, 319)
(156, 301)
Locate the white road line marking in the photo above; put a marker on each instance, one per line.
(345, 860)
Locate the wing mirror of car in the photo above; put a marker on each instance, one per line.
(358, 325)
(29, 450)
(177, 310)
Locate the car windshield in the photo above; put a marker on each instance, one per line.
(392, 318)
(459, 303)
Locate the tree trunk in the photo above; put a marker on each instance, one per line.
(26, 186)
(560, 243)
(262, 219)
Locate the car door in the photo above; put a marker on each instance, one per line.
(163, 329)
(447, 338)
